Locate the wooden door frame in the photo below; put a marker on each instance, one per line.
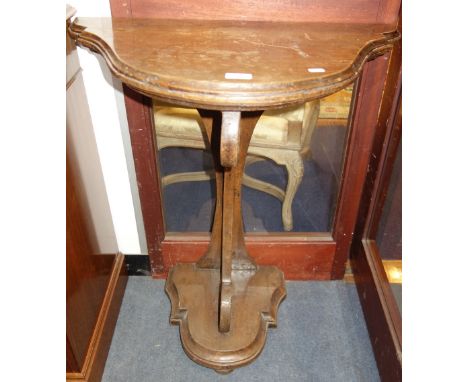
(380, 309)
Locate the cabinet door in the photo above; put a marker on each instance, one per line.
(376, 252)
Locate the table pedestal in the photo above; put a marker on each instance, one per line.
(224, 303)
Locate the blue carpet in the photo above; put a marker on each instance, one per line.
(321, 336)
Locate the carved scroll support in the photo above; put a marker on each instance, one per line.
(236, 132)
(229, 300)
(227, 251)
(230, 135)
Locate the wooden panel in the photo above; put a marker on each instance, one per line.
(380, 310)
(95, 287)
(379, 307)
(353, 11)
(87, 277)
(72, 363)
(188, 62)
(298, 259)
(101, 339)
(104, 330)
(386, 143)
(363, 127)
(140, 124)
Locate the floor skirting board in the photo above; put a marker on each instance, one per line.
(104, 329)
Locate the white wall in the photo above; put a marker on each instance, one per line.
(84, 162)
(109, 122)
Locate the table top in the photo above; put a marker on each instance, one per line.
(233, 65)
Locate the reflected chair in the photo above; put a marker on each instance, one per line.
(280, 135)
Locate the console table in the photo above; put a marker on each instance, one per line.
(231, 71)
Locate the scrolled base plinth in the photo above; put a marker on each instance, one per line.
(194, 295)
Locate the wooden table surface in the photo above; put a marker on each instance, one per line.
(233, 65)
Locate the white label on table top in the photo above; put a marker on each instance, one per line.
(238, 76)
(316, 70)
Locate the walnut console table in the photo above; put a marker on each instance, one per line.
(231, 71)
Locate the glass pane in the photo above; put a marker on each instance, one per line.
(389, 237)
(293, 168)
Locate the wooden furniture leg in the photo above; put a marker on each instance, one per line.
(224, 303)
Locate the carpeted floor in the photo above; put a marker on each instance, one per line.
(321, 336)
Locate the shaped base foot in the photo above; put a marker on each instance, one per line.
(194, 295)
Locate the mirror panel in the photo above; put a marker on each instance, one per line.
(293, 170)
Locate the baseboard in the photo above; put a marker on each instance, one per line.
(298, 258)
(98, 349)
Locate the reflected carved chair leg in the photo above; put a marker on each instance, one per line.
(295, 167)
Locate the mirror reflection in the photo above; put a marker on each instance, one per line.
(293, 168)
(389, 233)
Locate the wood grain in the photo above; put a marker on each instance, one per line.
(358, 150)
(225, 307)
(143, 140)
(95, 286)
(186, 61)
(337, 11)
(299, 258)
(100, 341)
(194, 295)
(87, 276)
(379, 306)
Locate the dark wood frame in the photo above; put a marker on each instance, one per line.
(317, 256)
(380, 308)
